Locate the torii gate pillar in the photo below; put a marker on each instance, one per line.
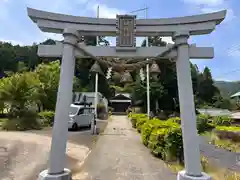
(187, 112)
(57, 156)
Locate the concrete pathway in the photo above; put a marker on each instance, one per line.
(120, 155)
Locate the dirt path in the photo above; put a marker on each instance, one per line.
(24, 154)
(119, 154)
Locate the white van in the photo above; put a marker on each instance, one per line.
(80, 116)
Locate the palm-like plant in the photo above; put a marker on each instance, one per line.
(20, 90)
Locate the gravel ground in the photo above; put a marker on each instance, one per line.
(24, 154)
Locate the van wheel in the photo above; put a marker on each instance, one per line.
(75, 127)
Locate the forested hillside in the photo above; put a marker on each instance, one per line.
(228, 88)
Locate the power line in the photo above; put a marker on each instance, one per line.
(138, 10)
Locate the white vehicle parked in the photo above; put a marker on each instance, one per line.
(80, 116)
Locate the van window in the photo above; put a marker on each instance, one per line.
(91, 110)
(81, 110)
(86, 111)
(73, 110)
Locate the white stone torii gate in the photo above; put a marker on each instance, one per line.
(72, 27)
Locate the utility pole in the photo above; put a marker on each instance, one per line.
(147, 66)
(96, 86)
(148, 78)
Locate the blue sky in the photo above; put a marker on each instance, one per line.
(17, 28)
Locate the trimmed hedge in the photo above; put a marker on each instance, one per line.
(135, 117)
(228, 132)
(163, 138)
(204, 123)
(222, 121)
(46, 118)
(228, 128)
(140, 123)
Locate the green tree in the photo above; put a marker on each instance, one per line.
(195, 77)
(154, 41)
(48, 75)
(21, 93)
(20, 90)
(206, 88)
(222, 102)
(7, 57)
(139, 92)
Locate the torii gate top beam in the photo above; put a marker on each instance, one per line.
(195, 25)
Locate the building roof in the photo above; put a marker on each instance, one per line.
(215, 112)
(124, 94)
(90, 94)
(235, 95)
(121, 97)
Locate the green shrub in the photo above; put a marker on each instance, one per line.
(146, 131)
(46, 118)
(222, 121)
(175, 120)
(21, 124)
(140, 122)
(228, 132)
(202, 123)
(157, 142)
(163, 138)
(134, 122)
(22, 119)
(135, 117)
(2, 121)
(174, 145)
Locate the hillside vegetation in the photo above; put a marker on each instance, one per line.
(228, 88)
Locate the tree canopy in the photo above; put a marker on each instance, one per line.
(17, 61)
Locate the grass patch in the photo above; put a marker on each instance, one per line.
(2, 120)
(214, 172)
(228, 128)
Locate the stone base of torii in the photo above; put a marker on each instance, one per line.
(179, 28)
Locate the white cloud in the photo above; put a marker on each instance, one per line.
(63, 6)
(209, 6)
(230, 15)
(168, 40)
(13, 42)
(59, 6)
(205, 2)
(105, 11)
